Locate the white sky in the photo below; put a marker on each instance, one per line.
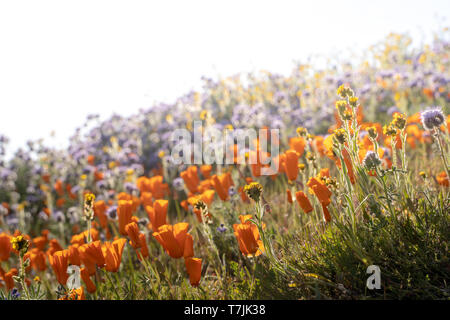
(61, 60)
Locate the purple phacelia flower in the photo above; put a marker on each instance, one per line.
(221, 228)
(432, 118)
(112, 213)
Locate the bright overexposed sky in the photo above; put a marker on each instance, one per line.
(61, 60)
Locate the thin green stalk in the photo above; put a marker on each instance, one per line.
(22, 276)
(112, 284)
(441, 150)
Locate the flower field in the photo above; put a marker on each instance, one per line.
(362, 180)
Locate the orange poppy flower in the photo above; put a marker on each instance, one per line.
(246, 219)
(291, 164)
(158, 213)
(72, 195)
(326, 213)
(320, 190)
(91, 253)
(247, 235)
(146, 199)
(205, 185)
(318, 145)
(132, 230)
(100, 212)
(94, 233)
(90, 159)
(244, 196)
(298, 144)
(415, 118)
(185, 205)
(59, 263)
(411, 142)
(8, 278)
(194, 269)
(37, 259)
(289, 196)
(188, 246)
(78, 239)
(192, 200)
(265, 160)
(45, 233)
(235, 150)
(442, 179)
(47, 212)
(46, 177)
(413, 130)
(128, 197)
(328, 145)
(190, 177)
(158, 188)
(5, 246)
(74, 255)
(173, 239)
(39, 242)
(124, 214)
(206, 170)
(98, 175)
(54, 246)
(90, 286)
(348, 165)
(60, 202)
(74, 294)
(58, 186)
(303, 201)
(143, 184)
(220, 186)
(257, 164)
(208, 196)
(428, 92)
(2, 275)
(113, 254)
(325, 172)
(143, 251)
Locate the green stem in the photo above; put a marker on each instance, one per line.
(441, 149)
(22, 277)
(89, 223)
(112, 284)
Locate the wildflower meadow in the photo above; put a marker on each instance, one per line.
(328, 183)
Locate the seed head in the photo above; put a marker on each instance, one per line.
(390, 130)
(373, 133)
(310, 156)
(353, 101)
(302, 132)
(339, 135)
(200, 205)
(89, 206)
(347, 115)
(344, 92)
(254, 191)
(20, 244)
(341, 106)
(399, 121)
